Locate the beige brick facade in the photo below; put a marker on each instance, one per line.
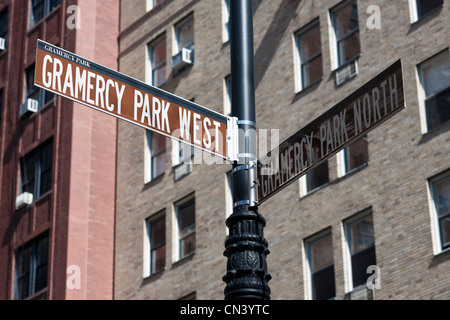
(394, 184)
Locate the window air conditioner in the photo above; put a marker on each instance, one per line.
(346, 72)
(30, 106)
(182, 59)
(24, 199)
(2, 44)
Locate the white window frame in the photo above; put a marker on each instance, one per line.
(304, 186)
(176, 30)
(421, 90)
(435, 230)
(148, 156)
(307, 254)
(298, 79)
(414, 12)
(147, 258)
(149, 60)
(176, 253)
(347, 252)
(341, 158)
(333, 38)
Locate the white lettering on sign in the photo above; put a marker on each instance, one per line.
(83, 83)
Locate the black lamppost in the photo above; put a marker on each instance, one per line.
(245, 247)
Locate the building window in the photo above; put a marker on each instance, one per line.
(440, 191)
(314, 178)
(31, 267)
(184, 34)
(40, 8)
(420, 8)
(319, 252)
(227, 96)
(435, 82)
(32, 92)
(226, 21)
(346, 31)
(182, 154)
(36, 171)
(3, 29)
(361, 247)
(157, 58)
(155, 156)
(309, 56)
(354, 156)
(185, 215)
(155, 244)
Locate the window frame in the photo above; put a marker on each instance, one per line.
(43, 97)
(308, 242)
(347, 224)
(415, 11)
(152, 68)
(33, 266)
(337, 63)
(150, 248)
(4, 24)
(299, 64)
(38, 170)
(343, 159)
(177, 30)
(436, 218)
(226, 30)
(150, 155)
(423, 98)
(304, 188)
(181, 235)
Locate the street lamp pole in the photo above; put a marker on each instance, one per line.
(245, 248)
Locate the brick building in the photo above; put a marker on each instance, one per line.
(57, 158)
(381, 202)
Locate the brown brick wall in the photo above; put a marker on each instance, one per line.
(393, 185)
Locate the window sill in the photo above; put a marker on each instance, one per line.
(183, 260)
(353, 171)
(152, 277)
(40, 295)
(153, 181)
(315, 190)
(427, 136)
(310, 86)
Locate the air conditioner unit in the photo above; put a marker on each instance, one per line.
(183, 58)
(346, 72)
(2, 44)
(30, 106)
(24, 199)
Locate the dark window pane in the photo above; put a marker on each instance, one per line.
(445, 231)
(41, 278)
(186, 215)
(310, 44)
(37, 10)
(4, 24)
(23, 288)
(187, 245)
(360, 262)
(317, 176)
(158, 259)
(158, 143)
(425, 6)
(323, 284)
(349, 48)
(438, 109)
(312, 71)
(28, 171)
(158, 231)
(346, 21)
(159, 52)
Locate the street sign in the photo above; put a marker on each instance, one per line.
(121, 96)
(352, 118)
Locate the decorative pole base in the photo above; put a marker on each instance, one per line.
(246, 250)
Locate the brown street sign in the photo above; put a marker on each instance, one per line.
(352, 118)
(119, 95)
